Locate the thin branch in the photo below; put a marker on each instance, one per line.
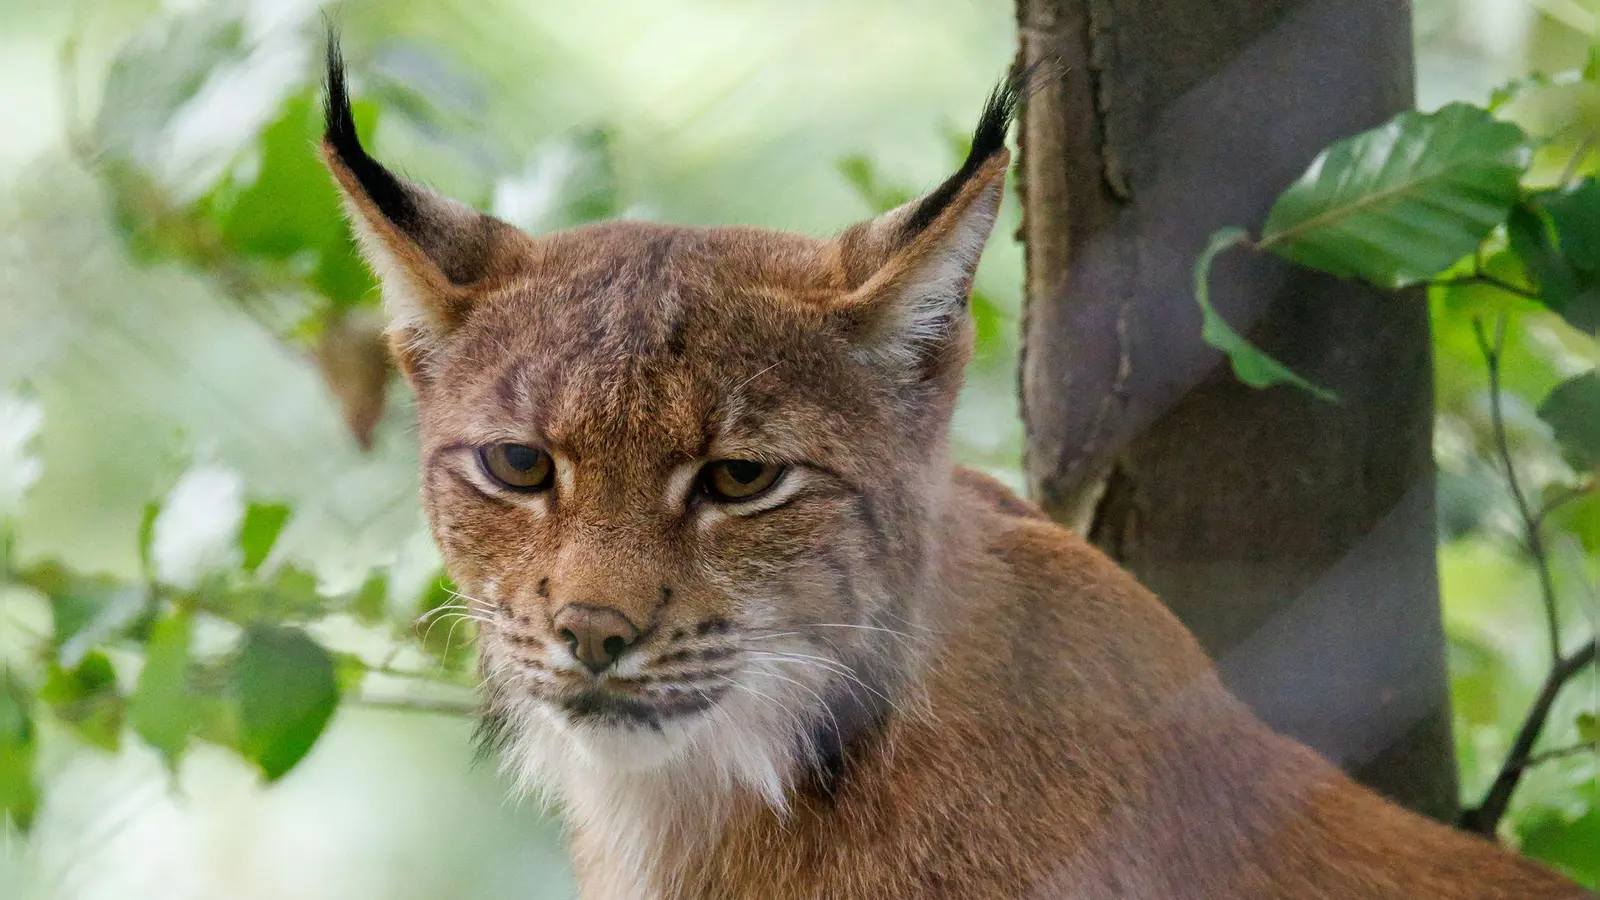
(1483, 279)
(1486, 817)
(1533, 534)
(428, 706)
(1560, 753)
(430, 677)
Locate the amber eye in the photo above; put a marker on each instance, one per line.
(517, 466)
(732, 480)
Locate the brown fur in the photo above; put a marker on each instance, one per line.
(974, 703)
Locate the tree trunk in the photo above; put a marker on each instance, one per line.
(1295, 537)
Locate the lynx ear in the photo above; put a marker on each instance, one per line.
(913, 266)
(432, 255)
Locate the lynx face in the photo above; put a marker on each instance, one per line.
(670, 490)
(681, 474)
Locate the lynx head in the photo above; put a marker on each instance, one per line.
(685, 475)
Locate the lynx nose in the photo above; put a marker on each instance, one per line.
(596, 634)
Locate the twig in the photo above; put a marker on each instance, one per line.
(1483, 279)
(1485, 818)
(428, 677)
(1560, 753)
(1534, 535)
(458, 708)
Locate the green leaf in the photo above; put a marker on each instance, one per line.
(285, 690)
(1250, 365)
(291, 595)
(163, 710)
(371, 604)
(1478, 676)
(147, 537)
(19, 795)
(93, 606)
(1580, 517)
(1573, 412)
(291, 210)
(1564, 840)
(1399, 204)
(86, 698)
(1532, 238)
(1588, 728)
(1573, 249)
(259, 531)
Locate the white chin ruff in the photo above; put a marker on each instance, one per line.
(624, 747)
(746, 742)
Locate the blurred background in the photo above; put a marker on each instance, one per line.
(188, 392)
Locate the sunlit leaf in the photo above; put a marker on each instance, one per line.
(196, 533)
(259, 531)
(285, 691)
(86, 698)
(569, 181)
(371, 603)
(1399, 204)
(147, 536)
(19, 795)
(1573, 412)
(1478, 676)
(1564, 840)
(159, 70)
(21, 416)
(1580, 517)
(1250, 365)
(162, 709)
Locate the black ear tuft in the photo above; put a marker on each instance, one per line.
(381, 186)
(988, 139)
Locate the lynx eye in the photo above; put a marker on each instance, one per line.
(517, 466)
(732, 480)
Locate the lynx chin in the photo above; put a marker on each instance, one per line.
(758, 637)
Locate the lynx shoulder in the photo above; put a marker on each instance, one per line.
(760, 637)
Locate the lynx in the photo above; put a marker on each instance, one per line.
(749, 627)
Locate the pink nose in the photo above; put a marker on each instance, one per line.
(597, 635)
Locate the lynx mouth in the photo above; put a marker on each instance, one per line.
(597, 706)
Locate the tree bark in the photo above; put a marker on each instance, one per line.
(1296, 538)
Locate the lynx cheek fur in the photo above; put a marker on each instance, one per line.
(749, 626)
